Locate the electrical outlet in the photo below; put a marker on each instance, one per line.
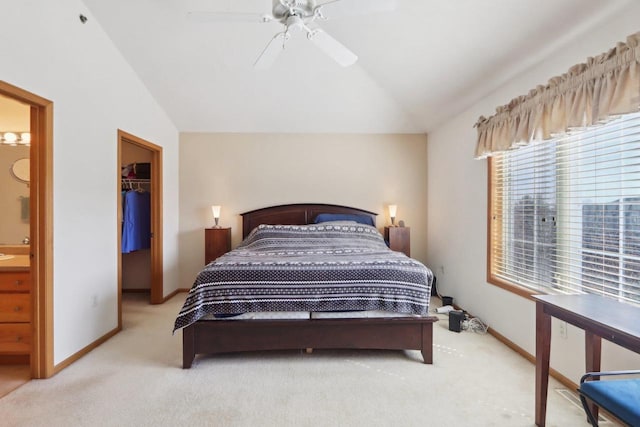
(563, 330)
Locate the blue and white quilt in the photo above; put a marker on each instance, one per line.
(335, 266)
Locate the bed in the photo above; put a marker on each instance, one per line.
(205, 332)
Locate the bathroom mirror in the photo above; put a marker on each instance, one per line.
(20, 170)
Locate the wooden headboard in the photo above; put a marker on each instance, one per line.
(297, 214)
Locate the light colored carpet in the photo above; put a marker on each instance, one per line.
(135, 379)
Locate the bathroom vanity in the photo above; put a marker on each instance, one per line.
(15, 305)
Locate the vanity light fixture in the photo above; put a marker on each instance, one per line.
(25, 138)
(15, 138)
(392, 213)
(9, 138)
(215, 209)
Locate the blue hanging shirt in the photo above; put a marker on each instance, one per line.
(136, 229)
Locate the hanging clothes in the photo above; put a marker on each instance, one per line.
(136, 227)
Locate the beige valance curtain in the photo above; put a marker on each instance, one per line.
(588, 94)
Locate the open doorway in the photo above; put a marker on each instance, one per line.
(33, 343)
(15, 263)
(140, 182)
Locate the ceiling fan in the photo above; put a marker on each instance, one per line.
(302, 16)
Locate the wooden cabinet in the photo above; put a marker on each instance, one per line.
(399, 239)
(15, 313)
(15, 338)
(15, 281)
(15, 307)
(217, 242)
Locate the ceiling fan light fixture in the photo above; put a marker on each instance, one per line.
(295, 22)
(283, 9)
(303, 15)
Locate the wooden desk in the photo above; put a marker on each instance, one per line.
(600, 317)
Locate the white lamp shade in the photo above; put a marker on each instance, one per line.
(392, 210)
(216, 211)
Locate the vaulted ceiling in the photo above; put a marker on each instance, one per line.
(417, 66)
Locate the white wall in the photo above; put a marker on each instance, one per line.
(457, 210)
(46, 50)
(242, 172)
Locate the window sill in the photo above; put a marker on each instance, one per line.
(511, 287)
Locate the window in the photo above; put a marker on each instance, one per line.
(565, 213)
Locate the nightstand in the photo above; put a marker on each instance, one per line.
(217, 242)
(399, 239)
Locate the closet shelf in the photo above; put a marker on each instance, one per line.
(138, 183)
(135, 180)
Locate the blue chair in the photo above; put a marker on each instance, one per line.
(620, 397)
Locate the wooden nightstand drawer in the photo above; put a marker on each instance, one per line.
(15, 338)
(217, 242)
(399, 239)
(15, 281)
(15, 307)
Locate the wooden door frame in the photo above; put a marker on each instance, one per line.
(157, 287)
(41, 227)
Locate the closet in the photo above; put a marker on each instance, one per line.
(135, 248)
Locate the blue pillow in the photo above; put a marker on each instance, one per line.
(361, 219)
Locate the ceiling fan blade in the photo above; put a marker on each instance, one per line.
(339, 8)
(333, 48)
(270, 52)
(202, 16)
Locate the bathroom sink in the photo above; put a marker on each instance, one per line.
(4, 257)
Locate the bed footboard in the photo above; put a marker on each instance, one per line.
(188, 346)
(220, 336)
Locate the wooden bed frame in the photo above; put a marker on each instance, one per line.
(226, 336)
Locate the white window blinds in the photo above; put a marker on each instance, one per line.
(565, 213)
